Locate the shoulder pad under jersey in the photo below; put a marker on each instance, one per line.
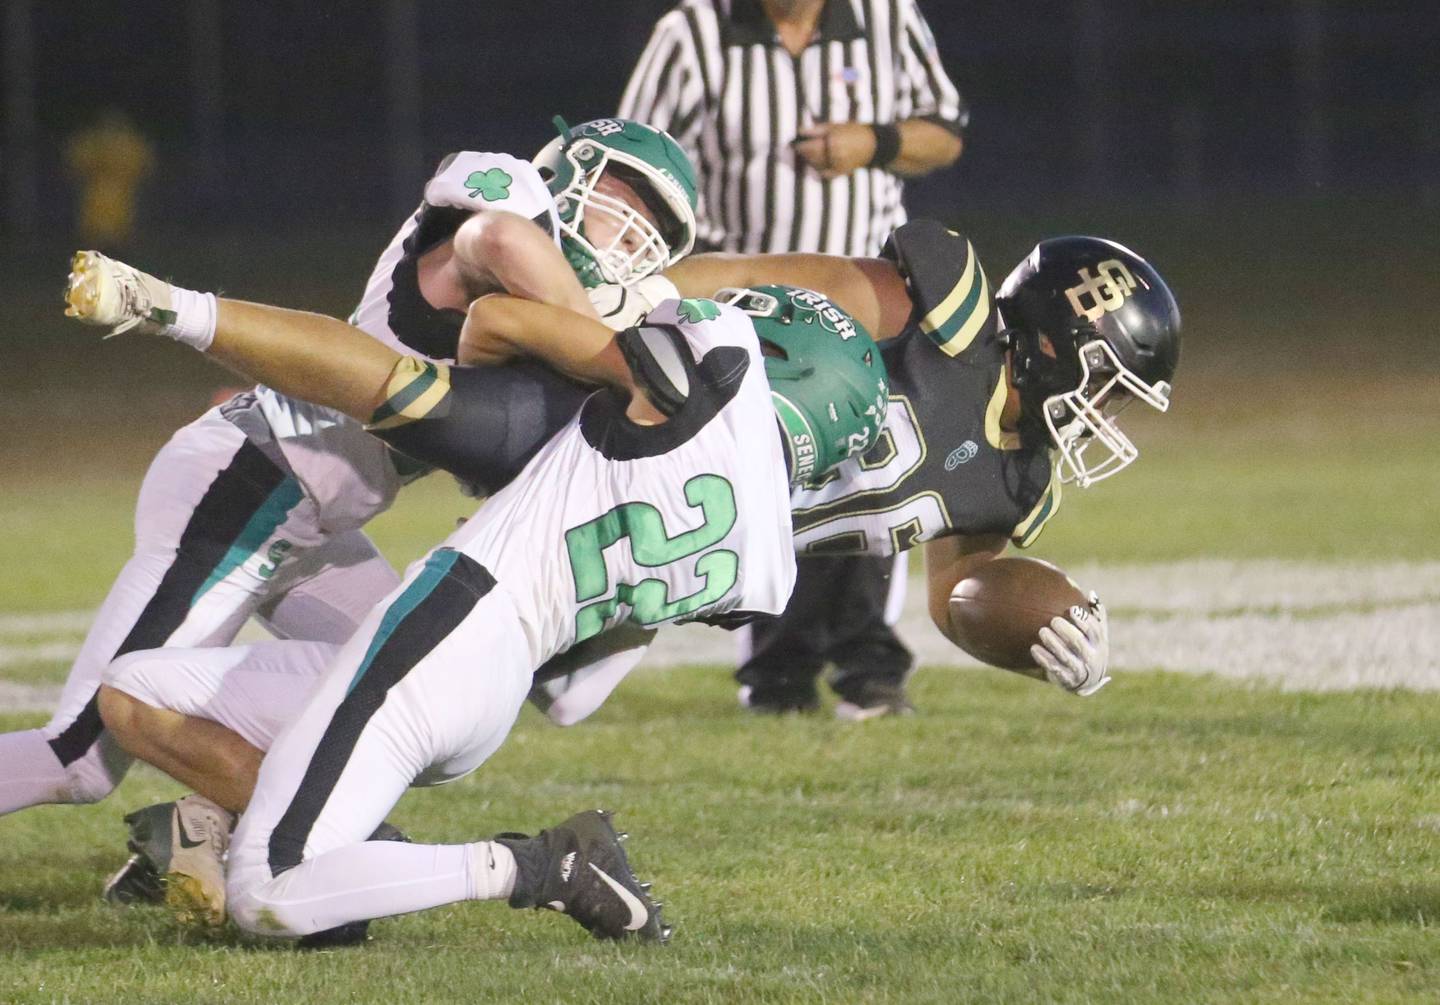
(948, 288)
(476, 181)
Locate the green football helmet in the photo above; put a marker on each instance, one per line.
(647, 160)
(827, 378)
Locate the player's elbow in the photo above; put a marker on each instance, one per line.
(488, 243)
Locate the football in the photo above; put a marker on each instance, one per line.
(997, 613)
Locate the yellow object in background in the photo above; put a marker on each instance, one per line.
(108, 160)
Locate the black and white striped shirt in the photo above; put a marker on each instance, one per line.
(715, 76)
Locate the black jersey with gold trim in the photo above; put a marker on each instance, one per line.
(943, 465)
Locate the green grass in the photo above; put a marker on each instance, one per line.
(1181, 840)
(1174, 839)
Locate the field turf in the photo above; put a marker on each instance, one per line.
(1176, 838)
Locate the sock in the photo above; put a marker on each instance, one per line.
(491, 870)
(30, 773)
(194, 322)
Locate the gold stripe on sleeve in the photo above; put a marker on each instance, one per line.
(416, 386)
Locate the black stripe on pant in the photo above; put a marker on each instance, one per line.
(448, 602)
(237, 492)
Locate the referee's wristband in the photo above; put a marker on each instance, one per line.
(887, 144)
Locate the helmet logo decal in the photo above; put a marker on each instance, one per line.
(601, 127)
(832, 318)
(695, 310)
(967, 451)
(492, 185)
(1107, 289)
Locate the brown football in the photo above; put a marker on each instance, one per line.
(997, 613)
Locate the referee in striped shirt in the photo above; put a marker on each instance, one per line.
(803, 117)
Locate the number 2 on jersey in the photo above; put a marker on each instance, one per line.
(652, 547)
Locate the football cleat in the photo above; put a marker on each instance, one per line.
(195, 880)
(111, 294)
(137, 882)
(141, 879)
(579, 868)
(874, 700)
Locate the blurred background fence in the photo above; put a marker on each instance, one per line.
(300, 114)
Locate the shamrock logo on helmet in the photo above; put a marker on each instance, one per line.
(491, 185)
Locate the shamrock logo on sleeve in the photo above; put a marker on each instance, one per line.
(492, 185)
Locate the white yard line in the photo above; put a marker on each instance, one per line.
(1301, 625)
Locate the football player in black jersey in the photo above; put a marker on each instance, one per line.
(997, 400)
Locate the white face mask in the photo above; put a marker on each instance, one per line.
(1082, 422)
(630, 245)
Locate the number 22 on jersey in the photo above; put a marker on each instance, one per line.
(652, 547)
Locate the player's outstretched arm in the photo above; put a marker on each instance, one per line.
(864, 287)
(871, 290)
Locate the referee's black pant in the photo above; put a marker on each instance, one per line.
(836, 615)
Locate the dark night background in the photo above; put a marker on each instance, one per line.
(1194, 102)
(1279, 160)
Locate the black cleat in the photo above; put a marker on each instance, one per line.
(579, 869)
(353, 933)
(141, 880)
(137, 882)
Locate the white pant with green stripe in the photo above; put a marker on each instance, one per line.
(223, 532)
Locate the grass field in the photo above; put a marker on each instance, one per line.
(1179, 837)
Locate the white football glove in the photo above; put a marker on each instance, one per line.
(622, 307)
(1076, 658)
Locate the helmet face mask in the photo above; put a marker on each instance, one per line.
(827, 378)
(1091, 328)
(1081, 422)
(653, 166)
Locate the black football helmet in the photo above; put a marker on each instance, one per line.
(1091, 327)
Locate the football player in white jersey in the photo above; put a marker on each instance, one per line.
(254, 509)
(665, 498)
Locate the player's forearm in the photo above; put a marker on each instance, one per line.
(870, 290)
(500, 328)
(307, 356)
(499, 249)
(924, 146)
(948, 560)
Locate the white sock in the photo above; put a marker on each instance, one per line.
(491, 868)
(30, 773)
(194, 322)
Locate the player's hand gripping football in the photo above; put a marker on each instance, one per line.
(1074, 652)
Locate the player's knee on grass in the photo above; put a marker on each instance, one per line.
(260, 916)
